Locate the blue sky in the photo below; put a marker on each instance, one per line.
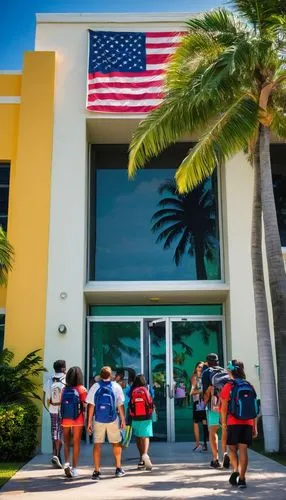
(17, 18)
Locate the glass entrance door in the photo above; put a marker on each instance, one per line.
(164, 349)
(115, 342)
(175, 346)
(190, 342)
(158, 376)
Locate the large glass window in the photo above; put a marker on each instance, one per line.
(4, 193)
(143, 229)
(278, 153)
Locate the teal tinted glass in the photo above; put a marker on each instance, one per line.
(278, 152)
(143, 229)
(158, 310)
(191, 342)
(115, 344)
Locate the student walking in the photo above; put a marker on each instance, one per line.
(105, 400)
(52, 396)
(199, 412)
(239, 410)
(141, 409)
(212, 412)
(72, 410)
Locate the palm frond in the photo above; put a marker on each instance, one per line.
(173, 235)
(170, 201)
(168, 186)
(182, 111)
(227, 136)
(178, 228)
(6, 357)
(237, 61)
(6, 257)
(220, 23)
(258, 12)
(166, 211)
(195, 50)
(181, 247)
(278, 125)
(165, 220)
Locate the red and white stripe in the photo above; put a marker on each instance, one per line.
(141, 92)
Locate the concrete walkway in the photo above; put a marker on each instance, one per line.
(178, 473)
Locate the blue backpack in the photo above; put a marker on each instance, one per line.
(71, 406)
(104, 403)
(243, 403)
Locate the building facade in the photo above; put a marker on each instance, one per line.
(111, 271)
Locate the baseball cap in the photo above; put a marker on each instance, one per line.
(212, 357)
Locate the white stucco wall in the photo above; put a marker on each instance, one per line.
(238, 178)
(67, 245)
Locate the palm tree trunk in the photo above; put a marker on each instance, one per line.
(269, 405)
(277, 276)
(200, 257)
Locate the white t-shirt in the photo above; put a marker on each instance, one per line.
(47, 390)
(117, 389)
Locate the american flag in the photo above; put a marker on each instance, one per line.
(126, 70)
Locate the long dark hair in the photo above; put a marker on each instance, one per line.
(238, 369)
(139, 381)
(74, 376)
(196, 366)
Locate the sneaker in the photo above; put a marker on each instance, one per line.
(96, 475)
(198, 448)
(74, 472)
(68, 469)
(226, 461)
(215, 464)
(119, 472)
(141, 465)
(241, 483)
(233, 478)
(56, 462)
(205, 447)
(147, 461)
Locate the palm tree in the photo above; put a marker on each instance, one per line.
(228, 77)
(6, 257)
(190, 217)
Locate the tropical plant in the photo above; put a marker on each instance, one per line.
(191, 219)
(228, 79)
(6, 257)
(16, 381)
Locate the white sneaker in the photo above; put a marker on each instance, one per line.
(147, 461)
(68, 469)
(56, 462)
(74, 472)
(198, 448)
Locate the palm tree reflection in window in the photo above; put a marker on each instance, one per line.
(190, 221)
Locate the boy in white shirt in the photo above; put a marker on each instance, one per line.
(52, 402)
(105, 400)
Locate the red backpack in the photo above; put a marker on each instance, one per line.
(141, 404)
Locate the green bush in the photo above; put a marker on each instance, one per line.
(18, 430)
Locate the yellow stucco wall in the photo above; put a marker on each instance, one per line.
(10, 85)
(28, 229)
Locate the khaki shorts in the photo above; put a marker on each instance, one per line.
(112, 430)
